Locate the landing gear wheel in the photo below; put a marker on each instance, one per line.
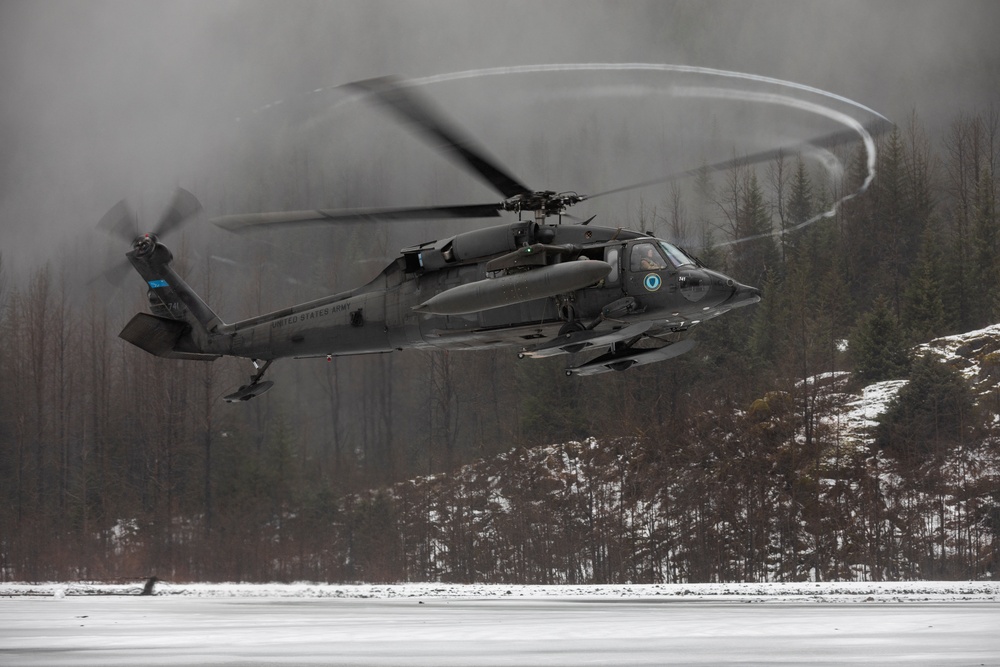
(248, 391)
(255, 388)
(571, 327)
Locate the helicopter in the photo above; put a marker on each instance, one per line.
(612, 297)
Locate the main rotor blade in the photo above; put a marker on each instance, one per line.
(183, 206)
(404, 100)
(120, 222)
(243, 222)
(832, 140)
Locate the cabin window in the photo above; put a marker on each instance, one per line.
(611, 257)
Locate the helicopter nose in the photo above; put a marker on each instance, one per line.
(728, 292)
(743, 295)
(711, 289)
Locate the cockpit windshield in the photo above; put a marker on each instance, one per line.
(676, 256)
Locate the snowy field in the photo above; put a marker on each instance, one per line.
(918, 623)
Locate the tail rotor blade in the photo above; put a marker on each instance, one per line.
(114, 276)
(182, 207)
(120, 222)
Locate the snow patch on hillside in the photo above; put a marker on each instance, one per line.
(976, 354)
(860, 414)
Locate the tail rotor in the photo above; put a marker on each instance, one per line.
(121, 224)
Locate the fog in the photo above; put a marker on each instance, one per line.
(104, 100)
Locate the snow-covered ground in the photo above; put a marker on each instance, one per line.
(914, 623)
(854, 591)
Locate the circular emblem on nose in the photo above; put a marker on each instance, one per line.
(652, 282)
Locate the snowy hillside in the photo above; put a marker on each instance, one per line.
(975, 354)
(754, 495)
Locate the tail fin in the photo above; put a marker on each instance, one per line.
(163, 337)
(183, 326)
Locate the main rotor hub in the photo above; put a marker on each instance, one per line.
(546, 202)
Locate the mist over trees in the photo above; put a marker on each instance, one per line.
(715, 466)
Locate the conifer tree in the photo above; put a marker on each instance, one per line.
(878, 345)
(800, 202)
(931, 414)
(890, 242)
(857, 218)
(923, 310)
(757, 255)
(961, 167)
(918, 164)
(768, 319)
(986, 268)
(777, 176)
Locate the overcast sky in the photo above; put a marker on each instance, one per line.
(103, 97)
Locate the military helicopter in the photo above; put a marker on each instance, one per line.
(617, 297)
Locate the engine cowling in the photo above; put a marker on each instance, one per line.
(476, 245)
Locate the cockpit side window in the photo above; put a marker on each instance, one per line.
(677, 256)
(646, 257)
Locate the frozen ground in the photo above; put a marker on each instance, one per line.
(828, 591)
(921, 623)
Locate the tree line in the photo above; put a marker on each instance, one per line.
(714, 466)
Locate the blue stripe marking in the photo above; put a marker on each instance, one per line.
(158, 283)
